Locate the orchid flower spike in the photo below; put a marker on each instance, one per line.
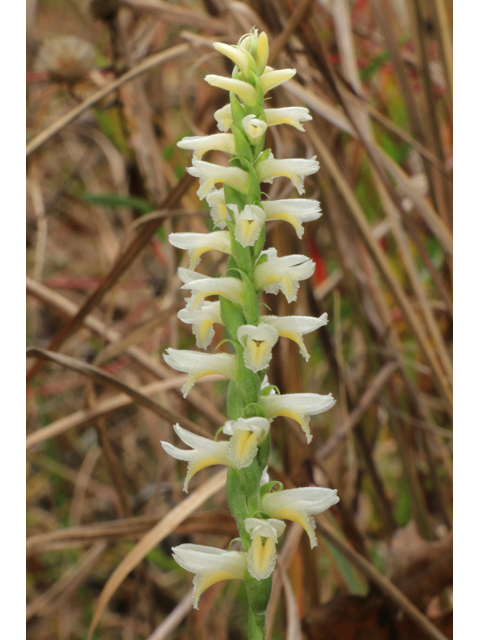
(198, 365)
(203, 452)
(209, 565)
(241, 218)
(262, 555)
(247, 434)
(299, 505)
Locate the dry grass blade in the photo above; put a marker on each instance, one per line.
(135, 336)
(73, 577)
(383, 583)
(68, 309)
(294, 630)
(434, 222)
(120, 266)
(373, 389)
(174, 618)
(156, 535)
(384, 267)
(104, 408)
(71, 116)
(289, 549)
(217, 522)
(177, 15)
(322, 107)
(102, 377)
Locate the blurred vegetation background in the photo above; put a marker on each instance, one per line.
(112, 86)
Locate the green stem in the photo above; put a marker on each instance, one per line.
(258, 594)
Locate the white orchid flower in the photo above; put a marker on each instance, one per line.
(219, 211)
(283, 274)
(209, 174)
(231, 288)
(257, 343)
(293, 116)
(198, 243)
(223, 117)
(242, 89)
(262, 555)
(272, 78)
(295, 211)
(295, 327)
(236, 55)
(201, 144)
(198, 365)
(299, 505)
(254, 127)
(209, 565)
(247, 434)
(202, 321)
(294, 168)
(248, 223)
(203, 453)
(298, 406)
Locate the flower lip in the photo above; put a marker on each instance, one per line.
(271, 528)
(254, 127)
(246, 434)
(258, 342)
(257, 425)
(248, 223)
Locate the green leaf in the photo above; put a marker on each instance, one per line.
(116, 200)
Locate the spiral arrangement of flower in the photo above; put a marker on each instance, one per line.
(239, 214)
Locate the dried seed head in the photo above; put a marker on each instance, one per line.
(66, 58)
